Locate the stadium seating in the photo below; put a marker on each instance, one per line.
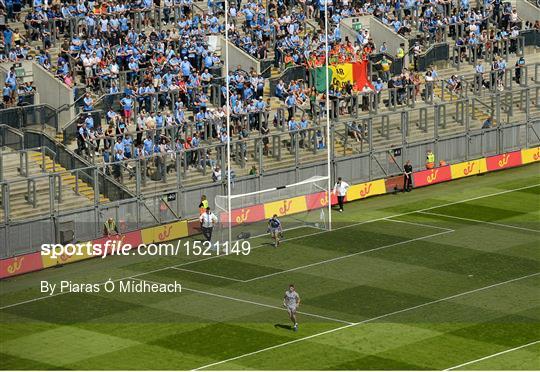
(26, 202)
(361, 130)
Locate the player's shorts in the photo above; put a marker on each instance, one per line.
(291, 309)
(274, 230)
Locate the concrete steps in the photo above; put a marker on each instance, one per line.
(19, 204)
(78, 186)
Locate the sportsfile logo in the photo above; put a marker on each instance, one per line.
(65, 252)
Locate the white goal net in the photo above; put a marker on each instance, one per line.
(303, 205)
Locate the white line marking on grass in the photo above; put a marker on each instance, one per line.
(299, 237)
(286, 230)
(492, 355)
(207, 274)
(479, 197)
(249, 302)
(420, 224)
(34, 299)
(446, 230)
(377, 219)
(347, 256)
(365, 321)
(480, 221)
(63, 293)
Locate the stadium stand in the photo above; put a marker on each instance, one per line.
(149, 79)
(29, 173)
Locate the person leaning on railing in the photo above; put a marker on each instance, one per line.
(430, 160)
(110, 228)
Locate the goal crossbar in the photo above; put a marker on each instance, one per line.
(307, 181)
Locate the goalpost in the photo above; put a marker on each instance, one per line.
(302, 205)
(305, 204)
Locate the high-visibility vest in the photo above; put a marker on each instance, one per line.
(110, 226)
(203, 206)
(400, 53)
(431, 158)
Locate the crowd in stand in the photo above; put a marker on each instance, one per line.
(16, 92)
(166, 94)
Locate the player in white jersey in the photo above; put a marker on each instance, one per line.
(291, 301)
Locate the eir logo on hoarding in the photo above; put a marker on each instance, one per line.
(243, 216)
(433, 176)
(15, 265)
(365, 191)
(163, 235)
(504, 160)
(286, 207)
(324, 200)
(468, 170)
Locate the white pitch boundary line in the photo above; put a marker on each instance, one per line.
(347, 256)
(207, 274)
(364, 321)
(420, 224)
(249, 302)
(446, 230)
(342, 227)
(480, 221)
(285, 230)
(492, 355)
(378, 219)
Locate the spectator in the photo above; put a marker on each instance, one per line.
(109, 227)
(430, 159)
(487, 123)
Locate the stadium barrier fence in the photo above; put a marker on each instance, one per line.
(180, 229)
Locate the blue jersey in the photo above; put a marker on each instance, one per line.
(274, 223)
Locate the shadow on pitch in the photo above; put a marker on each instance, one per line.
(283, 326)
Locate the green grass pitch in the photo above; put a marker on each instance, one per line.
(442, 277)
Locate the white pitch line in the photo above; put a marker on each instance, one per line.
(480, 197)
(63, 293)
(492, 355)
(294, 238)
(207, 274)
(480, 221)
(364, 321)
(420, 224)
(250, 302)
(379, 219)
(347, 256)
(447, 230)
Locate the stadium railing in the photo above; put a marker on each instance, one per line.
(71, 25)
(435, 53)
(33, 115)
(372, 168)
(487, 51)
